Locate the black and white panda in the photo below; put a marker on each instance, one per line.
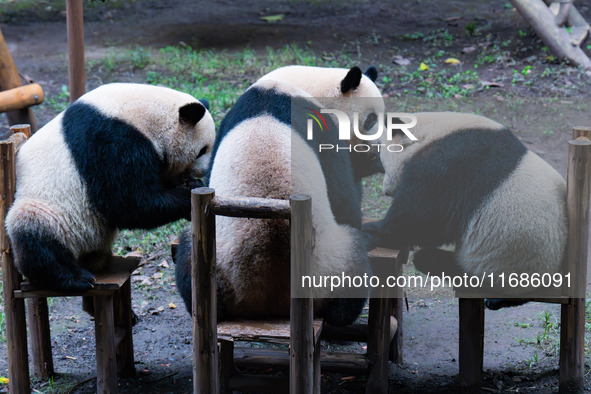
(116, 158)
(469, 181)
(257, 154)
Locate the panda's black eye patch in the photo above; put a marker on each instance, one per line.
(202, 152)
(370, 121)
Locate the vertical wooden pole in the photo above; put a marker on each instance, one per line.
(39, 331)
(38, 313)
(123, 320)
(301, 375)
(77, 72)
(572, 332)
(204, 287)
(378, 344)
(226, 364)
(106, 357)
(14, 309)
(471, 312)
(396, 347)
(581, 131)
(9, 79)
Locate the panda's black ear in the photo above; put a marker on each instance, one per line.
(206, 103)
(351, 80)
(372, 73)
(191, 113)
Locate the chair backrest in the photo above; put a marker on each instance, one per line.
(205, 206)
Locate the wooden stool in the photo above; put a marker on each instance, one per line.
(112, 305)
(572, 321)
(377, 333)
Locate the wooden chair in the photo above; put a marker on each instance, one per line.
(572, 323)
(112, 304)
(216, 358)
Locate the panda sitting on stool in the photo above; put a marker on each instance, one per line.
(255, 156)
(116, 158)
(469, 181)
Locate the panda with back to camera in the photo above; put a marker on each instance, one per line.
(469, 181)
(258, 154)
(116, 158)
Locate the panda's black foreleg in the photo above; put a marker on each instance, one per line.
(498, 303)
(390, 232)
(435, 262)
(48, 264)
(152, 208)
(342, 311)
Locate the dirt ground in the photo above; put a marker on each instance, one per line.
(519, 357)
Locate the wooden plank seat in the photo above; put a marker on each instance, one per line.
(116, 272)
(274, 331)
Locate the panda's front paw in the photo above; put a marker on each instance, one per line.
(372, 231)
(82, 280)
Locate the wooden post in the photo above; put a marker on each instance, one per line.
(581, 131)
(39, 330)
(77, 72)
(378, 344)
(106, 357)
(396, 347)
(301, 376)
(204, 288)
(38, 313)
(572, 333)
(123, 321)
(21, 128)
(10, 79)
(226, 364)
(14, 309)
(471, 343)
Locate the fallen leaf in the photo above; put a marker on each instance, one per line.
(468, 86)
(469, 49)
(172, 306)
(135, 253)
(3, 380)
(401, 61)
(157, 310)
(452, 60)
(157, 275)
(164, 264)
(71, 358)
(273, 18)
(491, 84)
(423, 67)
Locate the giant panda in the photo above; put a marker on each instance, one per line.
(117, 158)
(257, 153)
(469, 181)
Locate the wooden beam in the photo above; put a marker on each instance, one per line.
(251, 207)
(21, 97)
